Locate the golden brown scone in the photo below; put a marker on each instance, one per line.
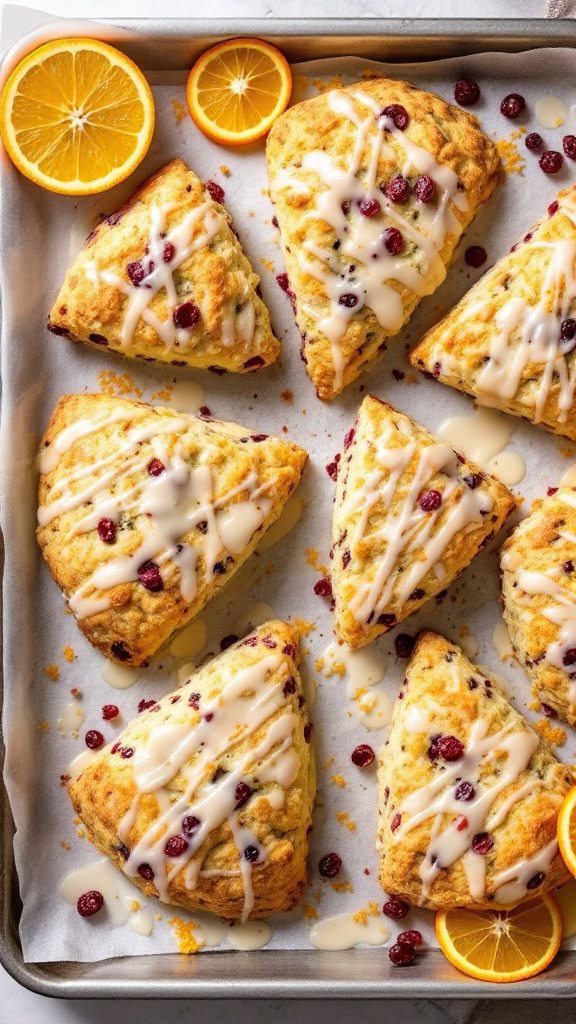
(205, 799)
(409, 515)
(146, 513)
(511, 341)
(469, 794)
(360, 255)
(196, 306)
(539, 591)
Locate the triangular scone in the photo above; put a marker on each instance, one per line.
(146, 513)
(539, 590)
(409, 515)
(165, 278)
(511, 341)
(468, 793)
(205, 799)
(373, 185)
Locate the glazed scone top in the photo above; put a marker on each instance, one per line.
(359, 261)
(166, 278)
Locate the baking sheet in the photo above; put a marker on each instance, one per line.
(40, 235)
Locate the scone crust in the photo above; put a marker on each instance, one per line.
(541, 543)
(217, 277)
(139, 620)
(437, 686)
(451, 135)
(357, 463)
(105, 790)
(455, 350)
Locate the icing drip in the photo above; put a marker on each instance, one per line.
(355, 272)
(471, 817)
(511, 885)
(159, 274)
(247, 701)
(409, 529)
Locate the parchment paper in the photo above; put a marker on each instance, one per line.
(40, 235)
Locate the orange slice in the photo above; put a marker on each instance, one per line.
(501, 946)
(237, 89)
(76, 116)
(567, 830)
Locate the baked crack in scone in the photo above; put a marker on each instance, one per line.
(539, 591)
(511, 341)
(468, 793)
(409, 515)
(205, 800)
(373, 185)
(146, 513)
(166, 278)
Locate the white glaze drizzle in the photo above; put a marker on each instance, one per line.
(511, 885)
(345, 931)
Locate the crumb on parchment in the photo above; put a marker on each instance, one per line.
(225, 170)
(118, 384)
(553, 734)
(333, 83)
(267, 264)
(310, 913)
(43, 726)
(164, 394)
(184, 932)
(346, 820)
(65, 845)
(69, 652)
(178, 109)
(512, 160)
(302, 626)
(287, 395)
(53, 672)
(342, 886)
(340, 781)
(372, 910)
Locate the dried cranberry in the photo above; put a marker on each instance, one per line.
(283, 282)
(89, 903)
(120, 651)
(242, 793)
(475, 256)
(349, 300)
(482, 842)
(569, 146)
(553, 208)
(62, 332)
(143, 705)
(204, 411)
(404, 644)
(450, 748)
(330, 865)
(395, 908)
(568, 565)
(175, 846)
(227, 641)
(190, 824)
(465, 791)
(107, 531)
(346, 559)
(533, 141)
(308, 731)
(393, 240)
(290, 686)
(395, 823)
(209, 716)
(269, 642)
(409, 938)
(401, 954)
(149, 576)
(362, 755)
(551, 161)
(399, 115)
(186, 315)
(332, 470)
(512, 105)
(109, 712)
(251, 853)
(155, 467)
(548, 711)
(216, 191)
(433, 748)
(473, 480)
(123, 850)
(551, 491)
(369, 207)
(430, 501)
(169, 252)
(349, 438)
(135, 272)
(567, 329)
(323, 587)
(570, 656)
(289, 650)
(425, 189)
(252, 364)
(467, 92)
(145, 872)
(387, 619)
(398, 189)
(93, 739)
(98, 339)
(194, 701)
(539, 877)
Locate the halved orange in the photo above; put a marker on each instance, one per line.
(501, 946)
(237, 89)
(567, 830)
(76, 116)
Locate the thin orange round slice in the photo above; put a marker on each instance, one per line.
(76, 116)
(567, 830)
(237, 89)
(501, 946)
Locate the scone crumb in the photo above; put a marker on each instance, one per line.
(76, 693)
(164, 394)
(179, 110)
(135, 906)
(225, 170)
(339, 780)
(553, 734)
(64, 779)
(512, 160)
(184, 932)
(332, 83)
(287, 395)
(43, 726)
(53, 672)
(328, 763)
(310, 912)
(69, 652)
(65, 845)
(319, 664)
(117, 384)
(158, 917)
(265, 192)
(81, 833)
(372, 910)
(566, 453)
(346, 820)
(302, 626)
(342, 886)
(267, 264)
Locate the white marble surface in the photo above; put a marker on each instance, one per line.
(17, 1004)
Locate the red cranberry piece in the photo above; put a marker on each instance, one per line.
(450, 748)
(475, 256)
(332, 470)
(349, 438)
(512, 105)
(433, 749)
(269, 642)
(467, 92)
(395, 908)
(425, 189)
(283, 282)
(126, 752)
(533, 141)
(398, 189)
(109, 712)
(569, 146)
(136, 273)
(323, 588)
(93, 739)
(462, 823)
(169, 252)
(553, 208)
(89, 903)
(551, 161)
(465, 791)
(190, 824)
(539, 877)
(227, 641)
(259, 437)
(548, 711)
(369, 207)
(204, 410)
(399, 115)
(473, 480)
(362, 755)
(149, 576)
(393, 240)
(251, 854)
(143, 705)
(155, 467)
(330, 865)
(120, 651)
(401, 954)
(404, 644)
(569, 656)
(349, 300)
(186, 315)
(567, 329)
(346, 559)
(386, 620)
(289, 650)
(242, 793)
(216, 191)
(62, 332)
(409, 938)
(146, 872)
(290, 686)
(568, 565)
(107, 531)
(253, 363)
(430, 501)
(175, 846)
(551, 491)
(482, 843)
(209, 716)
(395, 823)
